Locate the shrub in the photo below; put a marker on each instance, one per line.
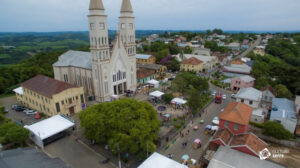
(259, 125)
(276, 130)
(167, 98)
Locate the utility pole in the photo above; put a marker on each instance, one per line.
(120, 165)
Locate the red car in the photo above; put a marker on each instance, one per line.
(37, 115)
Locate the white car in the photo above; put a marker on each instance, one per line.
(215, 121)
(233, 96)
(224, 96)
(29, 111)
(214, 93)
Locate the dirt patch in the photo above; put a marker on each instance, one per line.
(289, 157)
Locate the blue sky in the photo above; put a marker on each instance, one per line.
(71, 15)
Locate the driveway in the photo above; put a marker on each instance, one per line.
(76, 154)
(178, 150)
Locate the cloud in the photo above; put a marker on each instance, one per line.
(71, 15)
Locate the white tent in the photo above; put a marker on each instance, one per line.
(178, 101)
(153, 82)
(156, 94)
(48, 128)
(157, 160)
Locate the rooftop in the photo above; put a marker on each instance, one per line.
(249, 94)
(224, 135)
(46, 86)
(234, 68)
(29, 158)
(229, 158)
(283, 108)
(75, 59)
(143, 56)
(270, 89)
(143, 73)
(247, 78)
(149, 66)
(237, 112)
(157, 160)
(203, 58)
(192, 61)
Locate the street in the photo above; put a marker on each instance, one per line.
(212, 111)
(256, 43)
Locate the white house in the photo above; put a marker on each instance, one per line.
(249, 96)
(257, 115)
(268, 93)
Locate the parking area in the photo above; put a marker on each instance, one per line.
(19, 117)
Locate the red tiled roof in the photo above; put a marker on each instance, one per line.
(237, 112)
(223, 134)
(46, 86)
(270, 89)
(238, 62)
(192, 61)
(250, 140)
(142, 73)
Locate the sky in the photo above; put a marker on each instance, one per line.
(71, 15)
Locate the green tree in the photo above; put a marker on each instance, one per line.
(174, 65)
(276, 130)
(13, 133)
(283, 92)
(188, 50)
(128, 123)
(167, 98)
(161, 55)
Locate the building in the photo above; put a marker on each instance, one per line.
(160, 70)
(106, 72)
(144, 75)
(233, 131)
(192, 65)
(30, 157)
(208, 61)
(157, 160)
(258, 116)
(283, 112)
(236, 117)
(236, 70)
(147, 59)
(201, 51)
(229, 158)
(51, 96)
(241, 82)
(268, 94)
(234, 46)
(249, 96)
(260, 50)
(297, 103)
(50, 129)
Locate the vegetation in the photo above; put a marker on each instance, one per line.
(167, 98)
(214, 47)
(128, 123)
(276, 130)
(171, 62)
(258, 125)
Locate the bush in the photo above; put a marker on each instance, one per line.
(276, 130)
(259, 125)
(167, 98)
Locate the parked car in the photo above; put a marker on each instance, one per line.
(215, 121)
(30, 112)
(224, 96)
(19, 108)
(233, 96)
(37, 115)
(214, 93)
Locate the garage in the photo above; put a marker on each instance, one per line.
(49, 130)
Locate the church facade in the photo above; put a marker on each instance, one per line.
(104, 71)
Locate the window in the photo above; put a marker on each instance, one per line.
(92, 26)
(106, 87)
(65, 77)
(266, 97)
(130, 25)
(226, 124)
(236, 127)
(57, 107)
(242, 100)
(101, 26)
(76, 97)
(62, 102)
(123, 26)
(250, 102)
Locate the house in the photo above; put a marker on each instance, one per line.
(208, 61)
(283, 112)
(221, 44)
(249, 96)
(160, 70)
(233, 130)
(30, 157)
(144, 75)
(245, 44)
(143, 58)
(259, 50)
(201, 51)
(241, 82)
(229, 158)
(297, 103)
(192, 65)
(234, 46)
(157, 160)
(258, 116)
(268, 93)
(236, 70)
(50, 96)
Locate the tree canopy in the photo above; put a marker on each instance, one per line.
(13, 133)
(276, 130)
(128, 123)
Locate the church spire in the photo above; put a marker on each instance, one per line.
(126, 6)
(96, 5)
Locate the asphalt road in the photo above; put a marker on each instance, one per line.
(212, 111)
(256, 43)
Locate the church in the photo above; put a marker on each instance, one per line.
(106, 70)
